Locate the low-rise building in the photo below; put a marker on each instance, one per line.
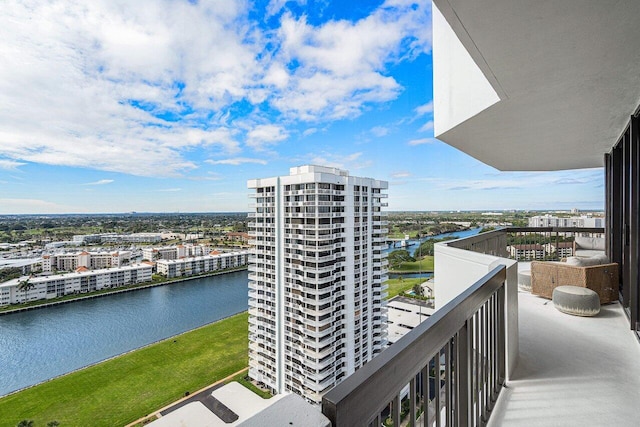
(83, 239)
(561, 249)
(201, 264)
(132, 238)
(233, 236)
(87, 238)
(70, 261)
(573, 221)
(527, 251)
(175, 252)
(81, 281)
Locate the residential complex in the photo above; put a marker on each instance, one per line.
(81, 281)
(317, 311)
(175, 252)
(118, 238)
(201, 264)
(527, 251)
(70, 261)
(560, 249)
(574, 221)
(537, 251)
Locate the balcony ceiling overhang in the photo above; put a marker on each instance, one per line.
(567, 74)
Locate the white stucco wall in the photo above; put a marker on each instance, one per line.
(457, 269)
(462, 91)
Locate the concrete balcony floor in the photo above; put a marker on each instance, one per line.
(572, 371)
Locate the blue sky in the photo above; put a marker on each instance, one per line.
(172, 105)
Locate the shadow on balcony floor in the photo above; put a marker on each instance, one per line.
(573, 371)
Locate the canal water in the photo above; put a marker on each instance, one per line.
(40, 344)
(415, 243)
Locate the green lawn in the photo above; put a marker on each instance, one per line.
(425, 264)
(121, 390)
(242, 379)
(396, 286)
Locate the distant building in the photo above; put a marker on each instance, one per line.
(527, 252)
(69, 261)
(87, 238)
(175, 252)
(573, 221)
(237, 237)
(201, 264)
(83, 239)
(27, 265)
(132, 238)
(80, 281)
(403, 315)
(561, 249)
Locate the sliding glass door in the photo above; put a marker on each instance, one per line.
(622, 177)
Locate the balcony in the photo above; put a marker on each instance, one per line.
(556, 369)
(454, 361)
(568, 376)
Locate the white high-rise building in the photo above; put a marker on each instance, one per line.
(317, 309)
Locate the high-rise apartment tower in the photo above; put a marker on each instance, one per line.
(317, 308)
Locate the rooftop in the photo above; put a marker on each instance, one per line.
(405, 314)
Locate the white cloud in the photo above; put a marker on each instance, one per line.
(309, 131)
(87, 63)
(10, 164)
(424, 109)
(210, 176)
(100, 182)
(351, 161)
(341, 65)
(402, 174)
(519, 180)
(170, 190)
(264, 135)
(427, 127)
(235, 161)
(379, 131)
(275, 6)
(138, 87)
(422, 141)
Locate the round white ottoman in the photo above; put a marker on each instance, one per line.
(524, 280)
(576, 300)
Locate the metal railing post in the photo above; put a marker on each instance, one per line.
(463, 379)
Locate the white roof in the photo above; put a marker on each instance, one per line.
(403, 316)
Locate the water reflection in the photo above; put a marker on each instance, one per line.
(40, 344)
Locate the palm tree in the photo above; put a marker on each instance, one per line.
(26, 286)
(25, 423)
(53, 423)
(417, 290)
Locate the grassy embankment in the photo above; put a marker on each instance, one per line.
(400, 285)
(397, 286)
(425, 264)
(128, 387)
